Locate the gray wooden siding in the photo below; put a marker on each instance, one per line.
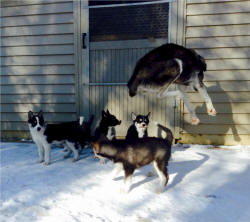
(220, 31)
(37, 61)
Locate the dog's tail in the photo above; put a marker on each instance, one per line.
(169, 137)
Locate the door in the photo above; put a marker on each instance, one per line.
(115, 37)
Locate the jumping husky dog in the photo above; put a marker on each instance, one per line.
(139, 127)
(171, 64)
(44, 135)
(129, 155)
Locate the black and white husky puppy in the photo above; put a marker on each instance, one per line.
(106, 128)
(129, 155)
(43, 134)
(171, 64)
(139, 127)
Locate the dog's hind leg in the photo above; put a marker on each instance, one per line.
(69, 151)
(160, 167)
(194, 119)
(203, 92)
(72, 146)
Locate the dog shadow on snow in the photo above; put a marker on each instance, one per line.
(180, 168)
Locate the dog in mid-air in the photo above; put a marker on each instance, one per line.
(129, 155)
(171, 64)
(139, 127)
(72, 134)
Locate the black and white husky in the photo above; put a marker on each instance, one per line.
(106, 127)
(43, 134)
(171, 64)
(129, 155)
(139, 127)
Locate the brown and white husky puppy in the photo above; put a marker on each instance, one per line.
(130, 155)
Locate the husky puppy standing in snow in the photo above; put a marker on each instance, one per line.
(43, 134)
(139, 127)
(171, 64)
(129, 155)
(106, 128)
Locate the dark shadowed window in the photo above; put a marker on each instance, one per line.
(129, 22)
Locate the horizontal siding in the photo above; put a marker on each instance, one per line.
(222, 107)
(38, 40)
(225, 53)
(37, 30)
(41, 79)
(211, 1)
(222, 118)
(8, 3)
(37, 61)
(218, 8)
(221, 96)
(219, 129)
(38, 70)
(37, 9)
(219, 30)
(38, 50)
(37, 20)
(38, 98)
(227, 75)
(222, 19)
(52, 117)
(217, 42)
(38, 89)
(24, 108)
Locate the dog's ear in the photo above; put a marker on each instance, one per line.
(40, 114)
(104, 114)
(133, 116)
(30, 114)
(148, 114)
(108, 112)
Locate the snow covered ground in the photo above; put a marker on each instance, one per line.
(206, 185)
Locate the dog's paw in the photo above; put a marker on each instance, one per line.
(74, 160)
(195, 121)
(40, 161)
(124, 191)
(159, 190)
(46, 163)
(211, 112)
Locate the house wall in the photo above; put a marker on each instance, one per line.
(37, 63)
(220, 31)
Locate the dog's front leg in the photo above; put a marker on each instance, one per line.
(47, 148)
(117, 169)
(129, 170)
(40, 152)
